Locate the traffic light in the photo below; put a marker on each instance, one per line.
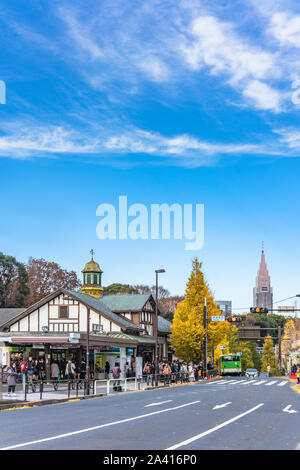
(202, 344)
(258, 310)
(234, 319)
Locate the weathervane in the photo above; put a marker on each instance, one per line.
(92, 253)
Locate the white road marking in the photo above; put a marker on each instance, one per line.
(158, 403)
(284, 382)
(271, 383)
(199, 436)
(287, 409)
(222, 406)
(241, 381)
(60, 436)
(215, 382)
(249, 382)
(260, 382)
(225, 382)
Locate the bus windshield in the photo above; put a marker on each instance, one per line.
(230, 358)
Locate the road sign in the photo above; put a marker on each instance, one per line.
(222, 347)
(218, 318)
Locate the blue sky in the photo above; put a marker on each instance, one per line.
(166, 102)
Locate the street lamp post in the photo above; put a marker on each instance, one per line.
(157, 271)
(87, 370)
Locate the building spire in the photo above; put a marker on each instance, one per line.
(92, 254)
(263, 247)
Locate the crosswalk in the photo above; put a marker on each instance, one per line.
(247, 382)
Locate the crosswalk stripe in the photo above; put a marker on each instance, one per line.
(215, 382)
(225, 382)
(271, 383)
(249, 382)
(282, 383)
(259, 382)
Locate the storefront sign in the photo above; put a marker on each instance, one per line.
(129, 352)
(103, 348)
(64, 346)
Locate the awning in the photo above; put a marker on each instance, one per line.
(39, 339)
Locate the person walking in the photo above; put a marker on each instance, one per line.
(11, 377)
(298, 374)
(107, 370)
(191, 372)
(35, 375)
(167, 372)
(116, 372)
(54, 371)
(148, 372)
(70, 370)
(30, 370)
(23, 369)
(41, 368)
(82, 369)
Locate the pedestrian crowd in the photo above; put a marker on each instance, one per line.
(174, 371)
(35, 370)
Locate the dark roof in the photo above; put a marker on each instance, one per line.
(126, 302)
(164, 325)
(92, 302)
(100, 306)
(7, 314)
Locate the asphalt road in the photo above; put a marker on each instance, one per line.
(230, 413)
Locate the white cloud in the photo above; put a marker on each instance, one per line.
(290, 137)
(39, 141)
(24, 142)
(216, 45)
(285, 27)
(263, 96)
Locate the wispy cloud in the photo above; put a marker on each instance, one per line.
(183, 149)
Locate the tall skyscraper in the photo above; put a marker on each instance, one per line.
(263, 292)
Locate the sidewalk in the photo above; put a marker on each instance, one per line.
(60, 396)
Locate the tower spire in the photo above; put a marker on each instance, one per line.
(262, 246)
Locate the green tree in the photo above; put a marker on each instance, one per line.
(117, 288)
(247, 359)
(268, 355)
(187, 327)
(233, 340)
(13, 282)
(255, 356)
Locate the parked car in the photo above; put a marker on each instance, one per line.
(263, 375)
(251, 373)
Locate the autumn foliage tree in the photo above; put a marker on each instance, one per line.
(187, 327)
(14, 287)
(268, 355)
(45, 277)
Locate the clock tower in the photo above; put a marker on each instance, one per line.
(92, 278)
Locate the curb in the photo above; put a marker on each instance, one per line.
(33, 404)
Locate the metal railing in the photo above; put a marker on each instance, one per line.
(68, 388)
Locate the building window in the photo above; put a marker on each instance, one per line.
(63, 311)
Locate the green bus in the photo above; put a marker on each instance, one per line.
(230, 364)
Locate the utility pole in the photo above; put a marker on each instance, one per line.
(279, 348)
(205, 336)
(157, 271)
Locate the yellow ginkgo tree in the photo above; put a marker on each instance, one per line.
(187, 327)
